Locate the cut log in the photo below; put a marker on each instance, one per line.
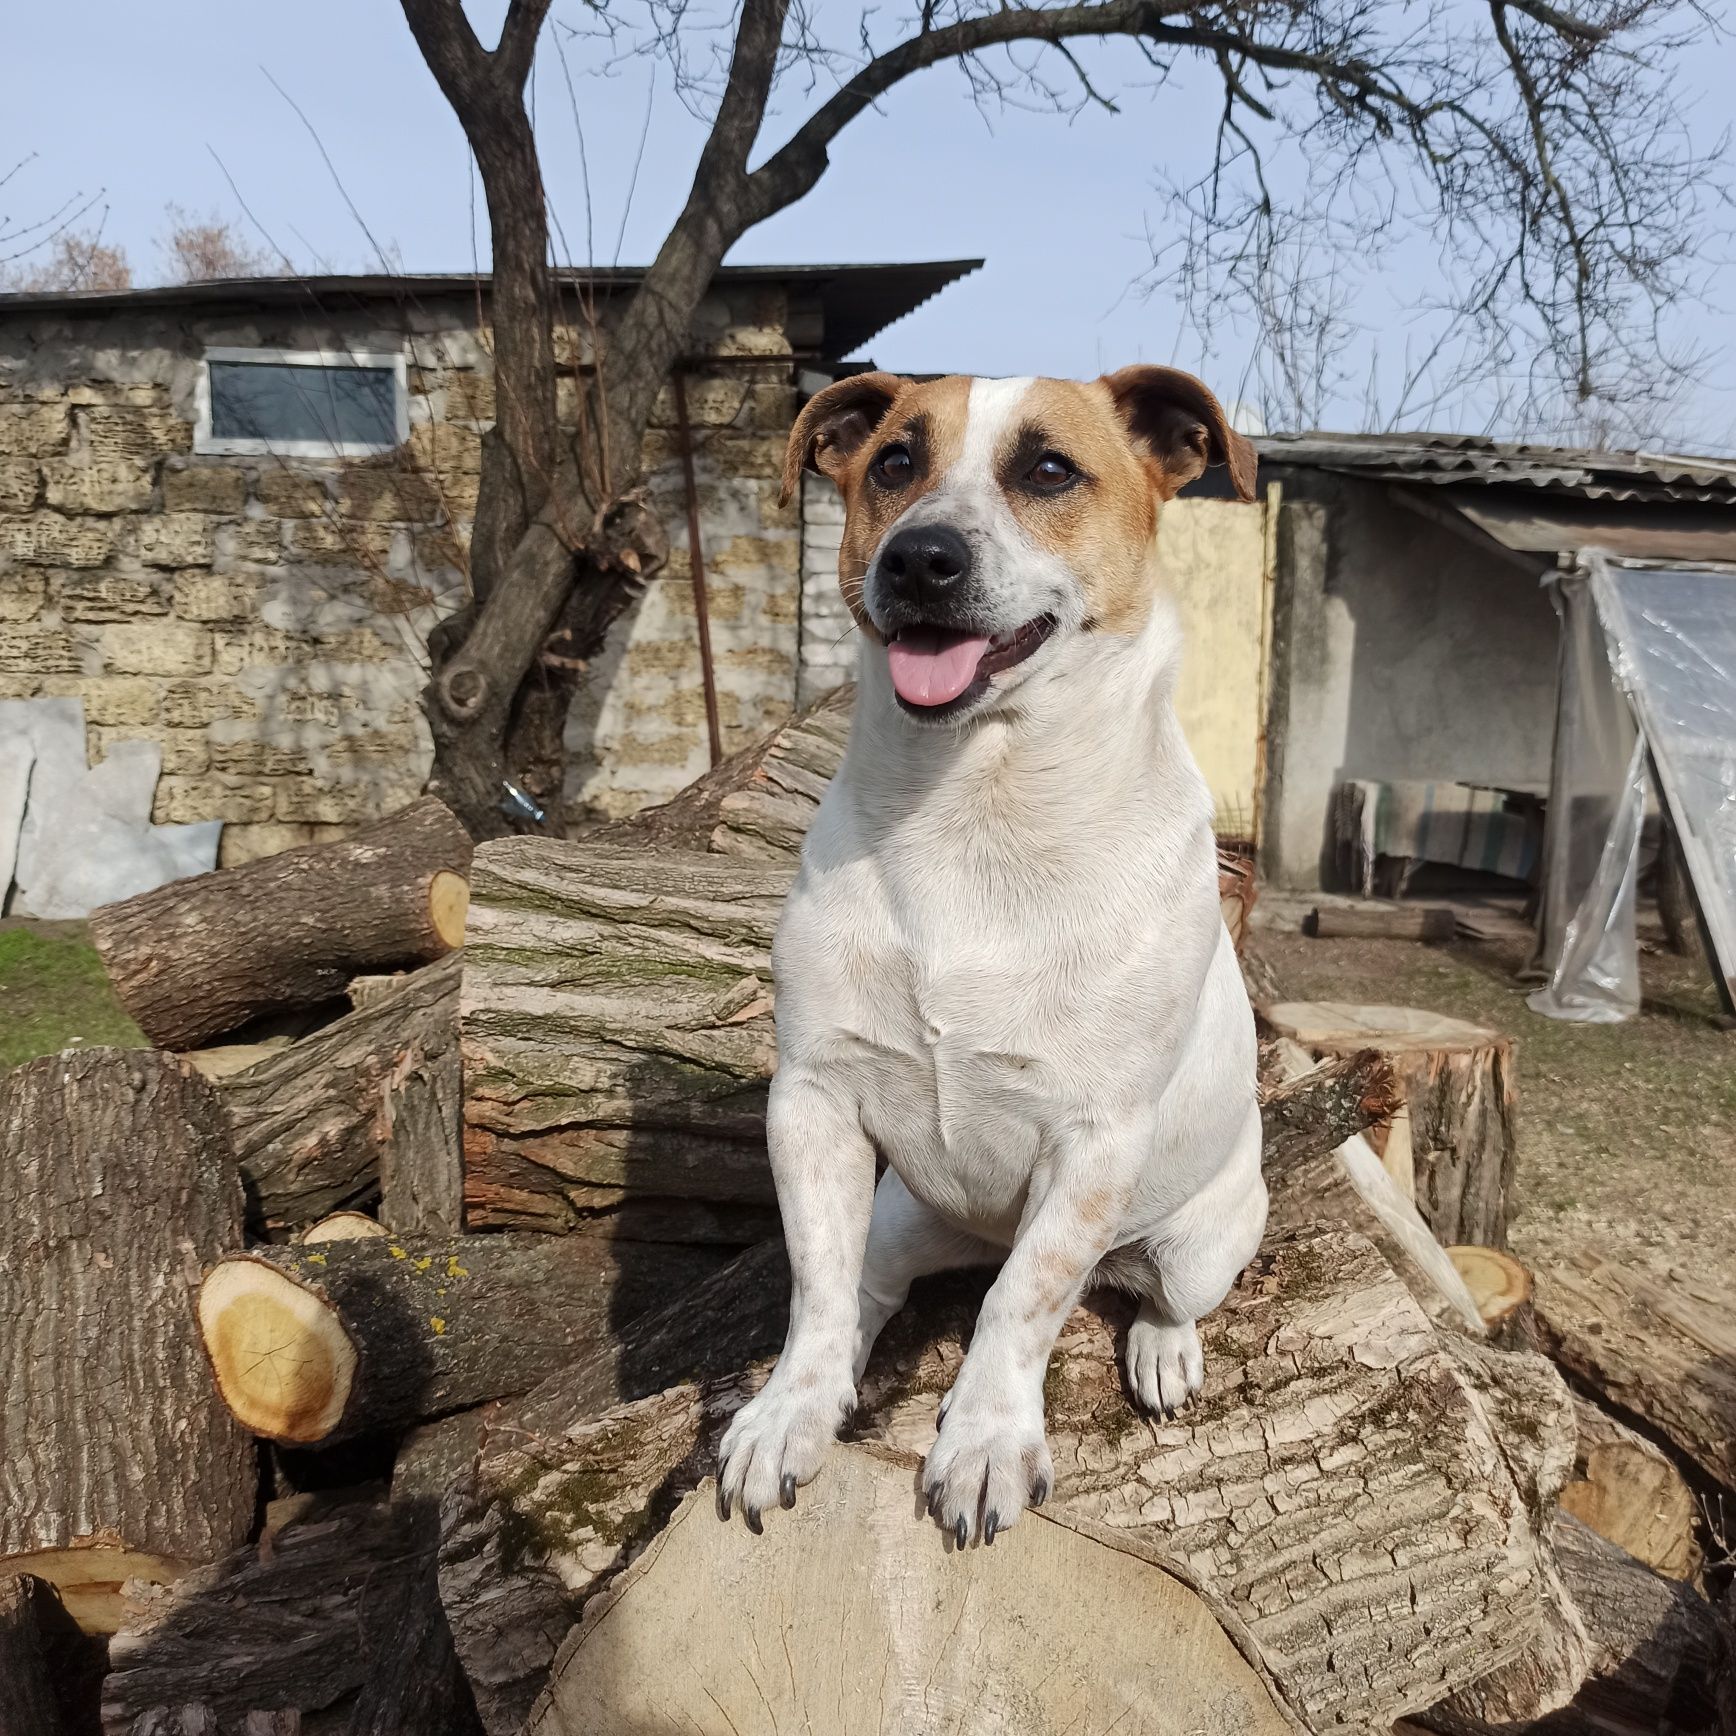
(1657, 1346)
(617, 1029)
(117, 1459)
(1337, 1488)
(204, 955)
(1651, 1647)
(1453, 1148)
(1630, 1493)
(1311, 1184)
(618, 1040)
(337, 1615)
(344, 1227)
(367, 1107)
(1500, 1287)
(955, 1641)
(1432, 924)
(28, 1706)
(319, 1346)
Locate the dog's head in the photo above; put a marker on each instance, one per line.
(988, 520)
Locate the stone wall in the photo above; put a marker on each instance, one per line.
(265, 619)
(829, 638)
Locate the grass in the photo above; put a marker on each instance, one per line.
(54, 995)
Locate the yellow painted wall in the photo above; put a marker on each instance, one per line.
(1215, 565)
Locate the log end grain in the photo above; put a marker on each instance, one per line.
(283, 1361)
(1499, 1285)
(448, 906)
(345, 1227)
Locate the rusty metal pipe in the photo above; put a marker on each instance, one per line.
(696, 562)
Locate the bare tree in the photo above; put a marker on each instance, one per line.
(198, 249)
(1538, 141)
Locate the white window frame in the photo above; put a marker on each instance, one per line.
(249, 446)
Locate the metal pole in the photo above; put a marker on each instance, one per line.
(696, 560)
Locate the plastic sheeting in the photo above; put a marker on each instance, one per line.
(1648, 668)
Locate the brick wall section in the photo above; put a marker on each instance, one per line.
(264, 619)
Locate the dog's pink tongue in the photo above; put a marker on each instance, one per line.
(931, 666)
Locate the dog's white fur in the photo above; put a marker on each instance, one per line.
(1003, 967)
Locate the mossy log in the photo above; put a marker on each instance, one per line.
(202, 956)
(314, 1345)
(1337, 1489)
(117, 1458)
(366, 1109)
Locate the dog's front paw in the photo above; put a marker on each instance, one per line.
(1165, 1364)
(990, 1461)
(776, 1443)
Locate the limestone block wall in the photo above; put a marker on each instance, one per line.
(265, 619)
(829, 639)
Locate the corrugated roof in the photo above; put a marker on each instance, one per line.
(857, 301)
(1468, 460)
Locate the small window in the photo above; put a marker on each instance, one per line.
(301, 403)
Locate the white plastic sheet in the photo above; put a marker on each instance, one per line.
(1648, 670)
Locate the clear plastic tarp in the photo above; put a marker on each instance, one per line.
(1648, 671)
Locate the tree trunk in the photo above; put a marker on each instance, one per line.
(1337, 1488)
(1650, 1646)
(334, 1619)
(1662, 1350)
(317, 1346)
(369, 1106)
(617, 1030)
(199, 957)
(1631, 1494)
(117, 1458)
(27, 1702)
(1453, 1148)
(956, 1639)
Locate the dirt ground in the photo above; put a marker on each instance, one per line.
(1627, 1133)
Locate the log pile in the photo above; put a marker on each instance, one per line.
(374, 1384)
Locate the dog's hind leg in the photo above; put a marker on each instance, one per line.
(1190, 1264)
(906, 1241)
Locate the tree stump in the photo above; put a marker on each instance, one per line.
(1452, 1146)
(201, 956)
(1331, 1411)
(117, 1458)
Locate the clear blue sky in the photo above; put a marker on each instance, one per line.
(134, 99)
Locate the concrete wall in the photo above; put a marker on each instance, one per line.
(1400, 652)
(265, 619)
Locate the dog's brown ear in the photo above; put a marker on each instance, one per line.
(1182, 425)
(835, 422)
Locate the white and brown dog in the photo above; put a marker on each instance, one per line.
(1002, 965)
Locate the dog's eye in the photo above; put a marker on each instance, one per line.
(1051, 473)
(892, 469)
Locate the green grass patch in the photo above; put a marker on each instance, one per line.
(54, 995)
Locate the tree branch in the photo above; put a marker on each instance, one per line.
(518, 39)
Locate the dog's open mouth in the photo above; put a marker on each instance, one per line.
(933, 667)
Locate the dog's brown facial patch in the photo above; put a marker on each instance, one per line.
(926, 422)
(1102, 523)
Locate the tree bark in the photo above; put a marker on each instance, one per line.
(117, 1458)
(27, 1702)
(368, 1108)
(319, 1345)
(1631, 1494)
(199, 957)
(334, 1623)
(1658, 1348)
(955, 1641)
(617, 1030)
(1650, 1647)
(1337, 1488)
(1453, 1148)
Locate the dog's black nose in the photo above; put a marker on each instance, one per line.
(925, 564)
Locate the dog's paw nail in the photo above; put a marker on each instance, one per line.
(1040, 1494)
(934, 1503)
(751, 1515)
(787, 1491)
(722, 1503)
(991, 1524)
(961, 1531)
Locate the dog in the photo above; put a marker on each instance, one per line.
(1002, 966)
